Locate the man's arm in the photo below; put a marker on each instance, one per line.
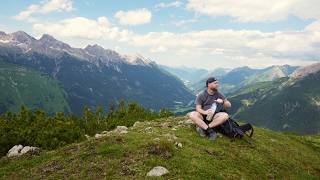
(200, 110)
(226, 104)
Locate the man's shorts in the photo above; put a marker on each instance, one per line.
(205, 119)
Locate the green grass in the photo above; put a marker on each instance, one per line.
(131, 156)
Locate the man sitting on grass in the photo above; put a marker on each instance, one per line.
(204, 102)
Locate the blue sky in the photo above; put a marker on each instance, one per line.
(194, 33)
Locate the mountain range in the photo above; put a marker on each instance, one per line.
(47, 73)
(190, 76)
(285, 104)
(232, 80)
(281, 98)
(93, 75)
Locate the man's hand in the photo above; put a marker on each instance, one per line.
(225, 103)
(208, 111)
(219, 101)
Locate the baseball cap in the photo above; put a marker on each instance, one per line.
(210, 80)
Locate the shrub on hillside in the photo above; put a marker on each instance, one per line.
(36, 128)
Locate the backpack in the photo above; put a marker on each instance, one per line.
(233, 130)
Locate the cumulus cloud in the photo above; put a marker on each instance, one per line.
(230, 44)
(134, 17)
(185, 22)
(44, 7)
(256, 11)
(292, 45)
(80, 27)
(168, 5)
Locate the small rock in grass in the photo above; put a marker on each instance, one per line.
(97, 136)
(158, 171)
(148, 130)
(179, 145)
(15, 151)
(19, 150)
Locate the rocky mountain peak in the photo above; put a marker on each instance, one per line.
(306, 70)
(138, 59)
(99, 51)
(49, 41)
(47, 37)
(48, 45)
(22, 37)
(103, 55)
(93, 49)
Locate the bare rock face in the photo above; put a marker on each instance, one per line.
(148, 130)
(98, 136)
(19, 150)
(29, 149)
(158, 171)
(121, 129)
(304, 71)
(137, 124)
(178, 144)
(15, 151)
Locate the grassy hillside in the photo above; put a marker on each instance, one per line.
(148, 144)
(282, 105)
(24, 86)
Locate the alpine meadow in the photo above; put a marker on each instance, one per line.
(164, 89)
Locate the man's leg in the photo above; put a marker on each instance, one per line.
(197, 118)
(218, 119)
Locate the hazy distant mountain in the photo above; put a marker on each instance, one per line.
(286, 104)
(95, 76)
(187, 75)
(193, 77)
(243, 76)
(218, 72)
(269, 74)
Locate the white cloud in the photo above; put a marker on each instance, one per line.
(159, 49)
(134, 17)
(256, 11)
(56, 5)
(44, 7)
(294, 45)
(225, 46)
(185, 22)
(167, 5)
(315, 26)
(80, 27)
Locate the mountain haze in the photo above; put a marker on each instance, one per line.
(232, 80)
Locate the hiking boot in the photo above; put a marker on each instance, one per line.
(212, 135)
(201, 131)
